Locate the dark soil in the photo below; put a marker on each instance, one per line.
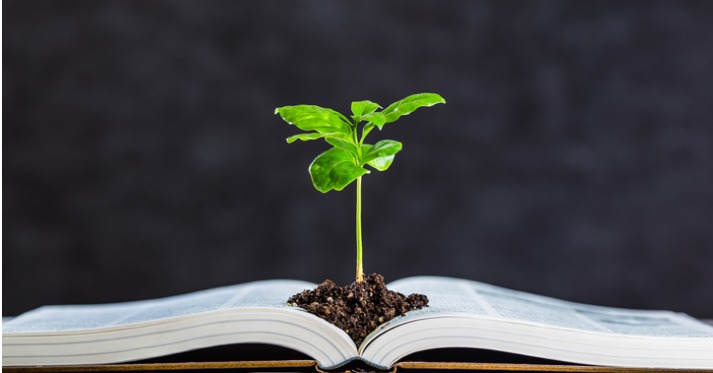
(358, 308)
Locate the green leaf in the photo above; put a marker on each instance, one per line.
(347, 145)
(381, 155)
(334, 169)
(376, 119)
(360, 108)
(409, 104)
(325, 121)
(304, 137)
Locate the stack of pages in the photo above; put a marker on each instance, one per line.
(462, 314)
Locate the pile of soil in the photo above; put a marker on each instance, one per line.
(358, 308)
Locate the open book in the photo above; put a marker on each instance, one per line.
(462, 314)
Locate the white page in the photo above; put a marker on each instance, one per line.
(272, 294)
(457, 296)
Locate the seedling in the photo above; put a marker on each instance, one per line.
(344, 162)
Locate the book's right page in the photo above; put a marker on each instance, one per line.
(451, 295)
(464, 313)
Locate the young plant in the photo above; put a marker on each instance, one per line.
(344, 162)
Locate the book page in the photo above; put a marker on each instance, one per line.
(99, 334)
(271, 294)
(448, 296)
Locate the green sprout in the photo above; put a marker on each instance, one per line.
(344, 162)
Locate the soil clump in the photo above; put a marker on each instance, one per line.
(358, 308)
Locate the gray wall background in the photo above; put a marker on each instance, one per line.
(574, 158)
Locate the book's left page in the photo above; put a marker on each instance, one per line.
(247, 313)
(271, 294)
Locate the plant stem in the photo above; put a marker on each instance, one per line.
(359, 267)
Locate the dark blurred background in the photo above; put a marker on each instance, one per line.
(574, 158)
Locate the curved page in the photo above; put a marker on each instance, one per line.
(248, 313)
(466, 313)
